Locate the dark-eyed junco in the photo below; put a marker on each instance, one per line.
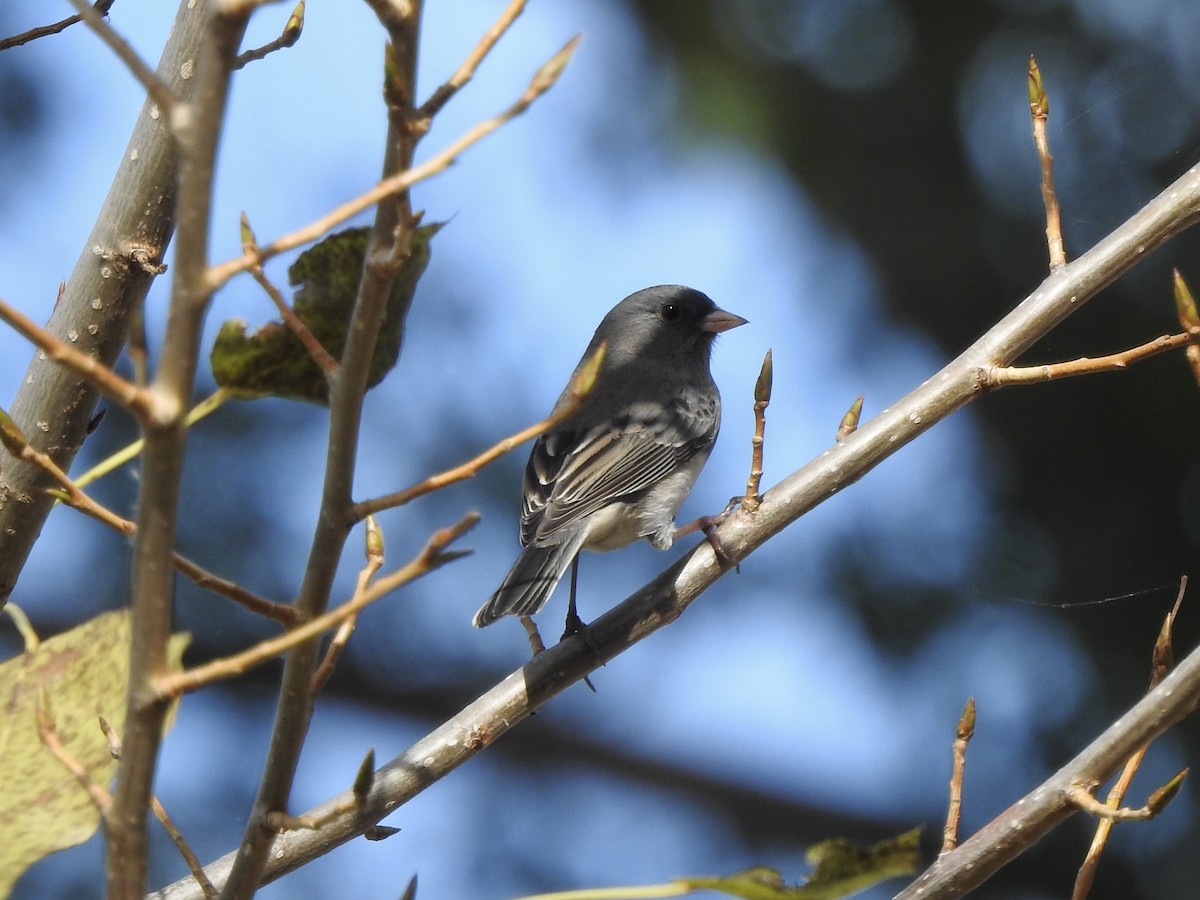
(620, 468)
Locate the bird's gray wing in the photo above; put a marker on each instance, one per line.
(572, 475)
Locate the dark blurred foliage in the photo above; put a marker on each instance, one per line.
(885, 112)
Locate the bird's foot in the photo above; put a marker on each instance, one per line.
(576, 626)
(709, 525)
(573, 625)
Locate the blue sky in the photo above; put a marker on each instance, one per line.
(588, 197)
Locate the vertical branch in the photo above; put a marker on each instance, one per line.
(386, 251)
(962, 737)
(197, 128)
(1039, 110)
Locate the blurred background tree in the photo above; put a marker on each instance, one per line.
(856, 177)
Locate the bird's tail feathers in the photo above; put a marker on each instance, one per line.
(530, 582)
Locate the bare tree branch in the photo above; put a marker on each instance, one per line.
(96, 374)
(287, 38)
(1039, 110)
(198, 132)
(962, 738)
(1002, 376)
(660, 602)
(466, 71)
(101, 6)
(432, 556)
(1025, 822)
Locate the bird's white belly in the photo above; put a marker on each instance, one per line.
(651, 517)
(616, 525)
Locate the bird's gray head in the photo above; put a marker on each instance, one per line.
(664, 322)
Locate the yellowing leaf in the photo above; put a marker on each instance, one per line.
(841, 870)
(75, 677)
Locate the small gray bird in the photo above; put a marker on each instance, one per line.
(620, 468)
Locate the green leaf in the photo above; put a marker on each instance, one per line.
(73, 678)
(273, 362)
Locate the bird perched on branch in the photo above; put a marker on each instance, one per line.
(619, 468)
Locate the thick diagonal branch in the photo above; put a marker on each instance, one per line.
(118, 262)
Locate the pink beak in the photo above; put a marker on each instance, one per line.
(718, 320)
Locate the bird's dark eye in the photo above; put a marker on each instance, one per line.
(671, 313)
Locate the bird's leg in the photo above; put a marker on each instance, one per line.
(575, 625)
(709, 525)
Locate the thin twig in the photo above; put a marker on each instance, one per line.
(1079, 795)
(284, 613)
(542, 81)
(102, 800)
(190, 859)
(288, 37)
(146, 76)
(1003, 376)
(1039, 108)
(762, 398)
(580, 388)
(374, 554)
(49, 736)
(431, 557)
(962, 737)
(16, 444)
(137, 400)
(440, 97)
(296, 326)
(101, 6)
